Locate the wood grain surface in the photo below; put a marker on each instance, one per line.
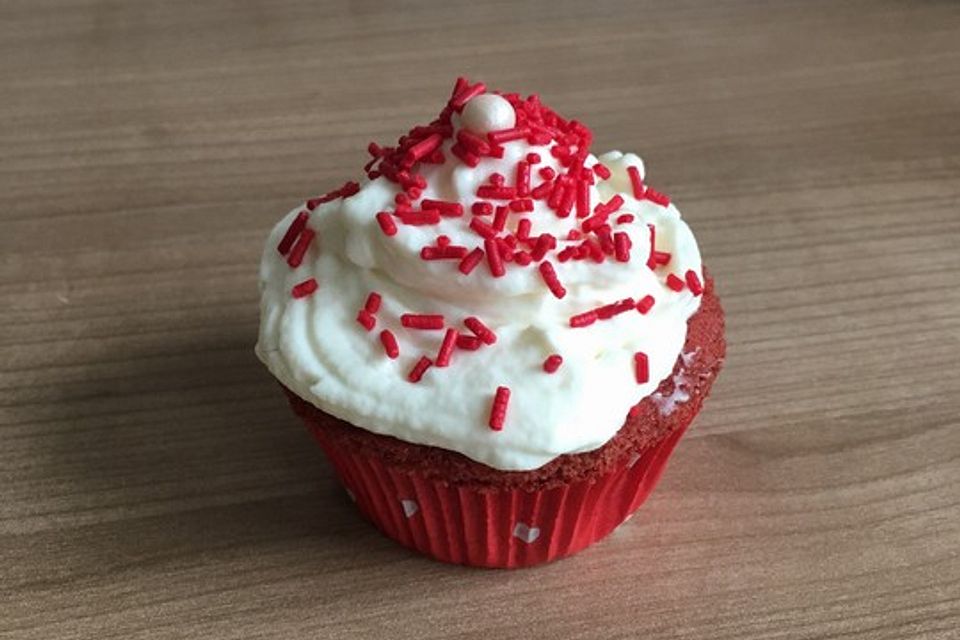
(153, 483)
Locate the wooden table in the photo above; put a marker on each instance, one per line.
(153, 483)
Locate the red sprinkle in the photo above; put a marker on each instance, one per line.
(556, 193)
(602, 172)
(497, 179)
(661, 257)
(449, 252)
(498, 412)
(641, 367)
(480, 330)
(508, 135)
(500, 218)
(481, 208)
(482, 228)
(372, 304)
(389, 342)
(387, 225)
(461, 84)
(467, 157)
(621, 243)
(533, 158)
(305, 288)
(606, 239)
(522, 258)
(625, 218)
(608, 311)
(693, 282)
(366, 319)
(419, 218)
(293, 231)
(470, 261)
(566, 203)
(521, 205)
(636, 182)
(468, 343)
(523, 228)
(408, 181)
(419, 369)
(423, 148)
(656, 197)
(645, 304)
(523, 179)
(422, 321)
(583, 319)
(506, 251)
(492, 192)
(674, 282)
(446, 348)
(539, 138)
(542, 190)
(609, 206)
(549, 275)
(545, 242)
(347, 190)
(552, 363)
(594, 222)
(547, 173)
(494, 259)
(300, 248)
(651, 260)
(436, 157)
(464, 96)
(446, 209)
(473, 143)
(583, 199)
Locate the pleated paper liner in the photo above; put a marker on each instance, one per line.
(505, 529)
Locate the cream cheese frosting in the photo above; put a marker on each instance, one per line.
(317, 348)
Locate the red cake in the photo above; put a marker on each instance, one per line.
(499, 338)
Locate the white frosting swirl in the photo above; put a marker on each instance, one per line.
(315, 346)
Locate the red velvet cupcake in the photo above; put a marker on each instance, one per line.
(497, 339)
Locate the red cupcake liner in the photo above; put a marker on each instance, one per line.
(505, 529)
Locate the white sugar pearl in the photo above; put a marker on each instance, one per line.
(488, 112)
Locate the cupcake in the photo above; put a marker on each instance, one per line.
(498, 337)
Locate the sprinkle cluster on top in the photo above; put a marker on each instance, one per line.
(565, 192)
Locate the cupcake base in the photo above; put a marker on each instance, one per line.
(505, 529)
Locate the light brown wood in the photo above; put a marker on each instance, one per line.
(153, 483)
